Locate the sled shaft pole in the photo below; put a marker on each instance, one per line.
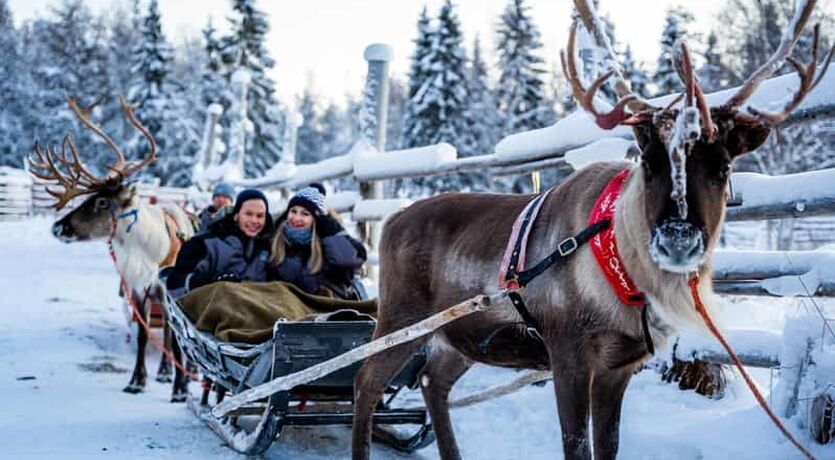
(399, 337)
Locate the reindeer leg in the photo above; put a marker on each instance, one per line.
(140, 375)
(369, 384)
(444, 367)
(618, 357)
(572, 382)
(207, 389)
(607, 398)
(165, 368)
(179, 390)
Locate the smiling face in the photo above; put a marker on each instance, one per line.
(299, 217)
(678, 244)
(252, 217)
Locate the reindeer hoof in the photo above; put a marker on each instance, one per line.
(133, 389)
(179, 398)
(164, 378)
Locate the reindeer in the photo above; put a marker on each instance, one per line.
(666, 222)
(143, 237)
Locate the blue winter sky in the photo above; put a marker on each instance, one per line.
(321, 41)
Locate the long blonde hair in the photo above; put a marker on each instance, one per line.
(279, 248)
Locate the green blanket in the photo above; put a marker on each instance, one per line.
(246, 312)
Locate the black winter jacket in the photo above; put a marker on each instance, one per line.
(343, 256)
(222, 250)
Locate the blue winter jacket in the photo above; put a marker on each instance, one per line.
(343, 256)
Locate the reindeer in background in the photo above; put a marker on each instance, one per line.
(144, 237)
(666, 222)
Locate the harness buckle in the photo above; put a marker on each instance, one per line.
(513, 283)
(567, 246)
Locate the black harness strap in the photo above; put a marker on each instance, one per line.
(564, 250)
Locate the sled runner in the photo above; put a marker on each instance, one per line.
(295, 345)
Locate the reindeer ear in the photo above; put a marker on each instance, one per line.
(643, 135)
(744, 135)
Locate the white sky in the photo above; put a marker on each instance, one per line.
(322, 41)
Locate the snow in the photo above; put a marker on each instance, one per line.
(342, 201)
(61, 312)
(378, 52)
(366, 210)
(759, 189)
(578, 128)
(415, 162)
(606, 149)
(573, 131)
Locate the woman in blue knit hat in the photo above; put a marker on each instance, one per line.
(311, 248)
(234, 248)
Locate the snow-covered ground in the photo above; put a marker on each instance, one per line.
(64, 360)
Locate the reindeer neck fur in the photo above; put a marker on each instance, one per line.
(668, 292)
(139, 251)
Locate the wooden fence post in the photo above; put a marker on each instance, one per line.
(373, 124)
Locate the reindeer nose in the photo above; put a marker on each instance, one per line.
(677, 246)
(59, 231)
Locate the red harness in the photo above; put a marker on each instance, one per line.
(605, 247)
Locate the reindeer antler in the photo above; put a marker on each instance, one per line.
(692, 91)
(76, 181)
(808, 79)
(70, 173)
(152, 151)
(585, 98)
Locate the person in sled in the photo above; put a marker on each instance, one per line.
(223, 199)
(234, 248)
(312, 250)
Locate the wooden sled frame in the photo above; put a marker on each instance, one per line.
(235, 367)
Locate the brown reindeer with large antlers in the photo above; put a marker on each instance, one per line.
(665, 223)
(144, 237)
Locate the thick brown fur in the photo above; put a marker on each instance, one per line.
(447, 248)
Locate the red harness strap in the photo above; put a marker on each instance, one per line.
(605, 246)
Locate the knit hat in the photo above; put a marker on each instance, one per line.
(223, 189)
(250, 194)
(309, 198)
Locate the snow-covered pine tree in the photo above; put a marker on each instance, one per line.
(519, 93)
(413, 133)
(665, 77)
(712, 75)
(124, 26)
(214, 86)
(309, 147)
(244, 47)
(161, 107)
(398, 104)
(438, 107)
(12, 142)
(634, 74)
(64, 59)
(482, 113)
(751, 30)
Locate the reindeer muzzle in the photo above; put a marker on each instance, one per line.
(60, 231)
(677, 246)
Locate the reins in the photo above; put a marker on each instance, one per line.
(700, 308)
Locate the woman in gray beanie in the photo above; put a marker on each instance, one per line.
(311, 248)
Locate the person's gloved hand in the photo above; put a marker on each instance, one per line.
(327, 226)
(228, 276)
